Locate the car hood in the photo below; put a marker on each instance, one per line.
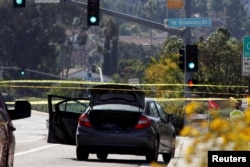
(116, 94)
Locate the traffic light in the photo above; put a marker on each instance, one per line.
(22, 72)
(191, 58)
(191, 83)
(19, 3)
(93, 68)
(93, 12)
(182, 59)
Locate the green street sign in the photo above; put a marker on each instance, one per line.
(245, 66)
(246, 46)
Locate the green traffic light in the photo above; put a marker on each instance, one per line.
(93, 19)
(191, 65)
(19, 2)
(22, 72)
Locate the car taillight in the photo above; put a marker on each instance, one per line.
(84, 120)
(143, 122)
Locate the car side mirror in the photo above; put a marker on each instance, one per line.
(170, 117)
(21, 110)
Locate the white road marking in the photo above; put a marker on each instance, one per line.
(34, 150)
(29, 140)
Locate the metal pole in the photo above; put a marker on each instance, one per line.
(100, 72)
(187, 36)
(187, 41)
(33, 71)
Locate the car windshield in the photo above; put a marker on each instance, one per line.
(118, 107)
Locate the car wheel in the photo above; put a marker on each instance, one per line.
(102, 156)
(153, 154)
(167, 156)
(81, 154)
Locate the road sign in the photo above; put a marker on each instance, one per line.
(246, 56)
(175, 4)
(246, 46)
(236, 114)
(197, 121)
(199, 116)
(187, 22)
(134, 82)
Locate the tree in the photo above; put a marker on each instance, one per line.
(110, 51)
(164, 69)
(235, 18)
(132, 61)
(215, 6)
(219, 71)
(151, 8)
(199, 6)
(220, 64)
(26, 34)
(129, 68)
(247, 27)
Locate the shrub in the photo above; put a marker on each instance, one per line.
(223, 134)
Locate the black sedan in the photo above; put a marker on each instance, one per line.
(117, 119)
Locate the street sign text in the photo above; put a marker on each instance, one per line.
(187, 22)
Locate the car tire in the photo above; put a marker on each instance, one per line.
(102, 156)
(81, 154)
(153, 154)
(167, 156)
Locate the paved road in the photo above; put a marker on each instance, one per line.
(32, 150)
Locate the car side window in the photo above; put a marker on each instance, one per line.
(161, 110)
(153, 110)
(72, 106)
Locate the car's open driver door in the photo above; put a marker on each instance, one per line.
(63, 118)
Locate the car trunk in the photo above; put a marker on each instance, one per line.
(116, 94)
(112, 120)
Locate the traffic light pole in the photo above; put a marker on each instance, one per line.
(187, 75)
(33, 71)
(187, 36)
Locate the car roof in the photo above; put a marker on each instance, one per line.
(148, 99)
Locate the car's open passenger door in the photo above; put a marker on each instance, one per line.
(63, 118)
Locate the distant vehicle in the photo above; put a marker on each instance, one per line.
(117, 120)
(22, 109)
